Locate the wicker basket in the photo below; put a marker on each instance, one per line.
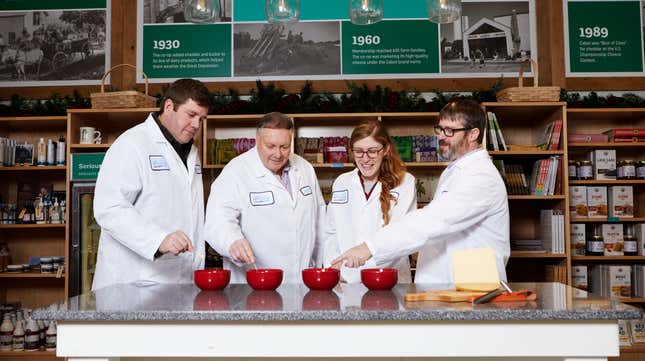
(529, 94)
(122, 99)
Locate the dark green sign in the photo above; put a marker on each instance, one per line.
(605, 36)
(51, 5)
(390, 47)
(85, 166)
(195, 51)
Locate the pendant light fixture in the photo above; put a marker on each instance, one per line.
(201, 11)
(365, 12)
(283, 11)
(444, 11)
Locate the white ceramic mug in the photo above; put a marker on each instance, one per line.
(89, 135)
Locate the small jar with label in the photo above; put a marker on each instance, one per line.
(595, 244)
(573, 169)
(630, 243)
(626, 169)
(585, 171)
(640, 169)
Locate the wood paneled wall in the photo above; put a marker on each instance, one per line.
(550, 40)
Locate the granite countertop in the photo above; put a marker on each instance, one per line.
(295, 302)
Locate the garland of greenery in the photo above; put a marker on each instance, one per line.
(360, 98)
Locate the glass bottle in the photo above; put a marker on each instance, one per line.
(630, 247)
(595, 242)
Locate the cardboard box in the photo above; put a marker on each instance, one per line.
(597, 202)
(578, 202)
(579, 278)
(620, 281)
(604, 163)
(612, 234)
(621, 201)
(578, 239)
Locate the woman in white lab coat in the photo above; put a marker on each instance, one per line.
(377, 192)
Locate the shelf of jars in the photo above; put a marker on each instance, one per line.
(29, 168)
(526, 152)
(608, 220)
(607, 258)
(33, 226)
(603, 145)
(534, 197)
(32, 275)
(607, 182)
(520, 254)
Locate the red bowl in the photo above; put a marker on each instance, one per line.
(320, 279)
(264, 279)
(264, 301)
(379, 279)
(212, 279)
(210, 301)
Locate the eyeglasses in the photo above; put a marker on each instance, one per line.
(371, 153)
(448, 132)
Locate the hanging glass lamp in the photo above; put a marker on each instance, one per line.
(283, 11)
(201, 11)
(365, 12)
(444, 11)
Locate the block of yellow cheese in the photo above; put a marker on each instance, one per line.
(475, 269)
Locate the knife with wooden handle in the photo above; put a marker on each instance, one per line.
(489, 296)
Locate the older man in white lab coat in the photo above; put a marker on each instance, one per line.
(149, 196)
(265, 208)
(469, 208)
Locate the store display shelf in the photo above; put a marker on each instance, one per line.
(90, 146)
(29, 168)
(526, 152)
(33, 226)
(31, 275)
(635, 348)
(607, 145)
(36, 355)
(607, 182)
(606, 220)
(529, 197)
(49, 121)
(520, 254)
(608, 258)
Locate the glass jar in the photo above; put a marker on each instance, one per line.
(573, 169)
(630, 246)
(626, 169)
(585, 171)
(595, 245)
(640, 169)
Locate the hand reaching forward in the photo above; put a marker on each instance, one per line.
(176, 242)
(353, 257)
(241, 251)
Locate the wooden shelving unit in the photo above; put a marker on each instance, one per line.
(33, 226)
(607, 258)
(32, 168)
(31, 275)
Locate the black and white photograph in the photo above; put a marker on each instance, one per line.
(490, 37)
(174, 11)
(52, 45)
(304, 48)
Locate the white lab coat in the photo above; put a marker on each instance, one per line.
(143, 193)
(469, 210)
(350, 217)
(285, 230)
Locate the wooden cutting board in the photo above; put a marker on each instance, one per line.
(442, 295)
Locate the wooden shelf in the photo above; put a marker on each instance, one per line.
(520, 254)
(351, 165)
(526, 152)
(37, 355)
(30, 275)
(607, 145)
(608, 258)
(33, 226)
(39, 121)
(635, 348)
(630, 300)
(426, 164)
(608, 182)
(522, 104)
(90, 146)
(532, 197)
(606, 220)
(29, 168)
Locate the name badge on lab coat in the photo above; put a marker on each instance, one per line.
(198, 169)
(340, 197)
(158, 163)
(306, 190)
(261, 198)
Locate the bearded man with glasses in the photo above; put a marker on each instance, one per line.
(469, 208)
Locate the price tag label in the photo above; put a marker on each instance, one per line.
(604, 37)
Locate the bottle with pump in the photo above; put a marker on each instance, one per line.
(61, 151)
(42, 153)
(54, 212)
(51, 152)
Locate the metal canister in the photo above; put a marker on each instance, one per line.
(626, 169)
(585, 170)
(573, 169)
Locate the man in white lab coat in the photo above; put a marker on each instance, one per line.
(469, 208)
(265, 208)
(149, 196)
